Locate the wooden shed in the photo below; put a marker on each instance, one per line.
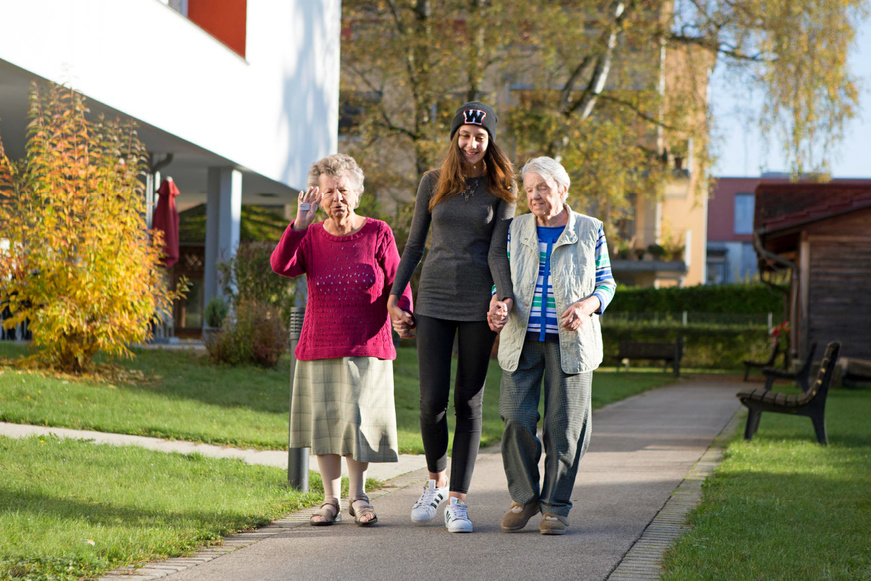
(820, 235)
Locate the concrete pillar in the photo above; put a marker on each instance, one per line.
(223, 213)
(152, 182)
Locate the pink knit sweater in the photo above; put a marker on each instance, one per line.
(349, 279)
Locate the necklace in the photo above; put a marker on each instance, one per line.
(470, 189)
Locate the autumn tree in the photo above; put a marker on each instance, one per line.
(616, 89)
(79, 263)
(407, 65)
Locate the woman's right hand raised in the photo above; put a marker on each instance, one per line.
(402, 320)
(307, 208)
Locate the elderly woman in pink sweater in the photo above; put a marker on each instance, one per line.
(342, 402)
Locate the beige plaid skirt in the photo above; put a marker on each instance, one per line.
(345, 406)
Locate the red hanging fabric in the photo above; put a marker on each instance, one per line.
(166, 219)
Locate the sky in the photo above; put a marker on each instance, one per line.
(740, 146)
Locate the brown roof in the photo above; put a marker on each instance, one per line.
(782, 206)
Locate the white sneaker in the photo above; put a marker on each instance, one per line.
(457, 517)
(424, 510)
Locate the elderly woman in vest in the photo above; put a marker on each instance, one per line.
(562, 282)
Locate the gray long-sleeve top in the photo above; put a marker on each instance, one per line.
(467, 254)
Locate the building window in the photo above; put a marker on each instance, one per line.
(717, 266)
(625, 219)
(744, 213)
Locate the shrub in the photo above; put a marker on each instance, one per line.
(80, 265)
(216, 311)
(725, 298)
(254, 333)
(256, 330)
(249, 274)
(673, 249)
(721, 345)
(705, 346)
(657, 251)
(622, 249)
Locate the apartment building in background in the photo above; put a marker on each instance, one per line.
(731, 257)
(679, 213)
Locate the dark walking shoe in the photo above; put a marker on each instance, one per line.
(518, 515)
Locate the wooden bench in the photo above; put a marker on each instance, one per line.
(811, 403)
(801, 376)
(748, 365)
(670, 353)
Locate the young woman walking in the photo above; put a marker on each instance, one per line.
(469, 203)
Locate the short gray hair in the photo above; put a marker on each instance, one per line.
(334, 166)
(547, 167)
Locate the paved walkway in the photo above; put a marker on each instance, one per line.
(648, 457)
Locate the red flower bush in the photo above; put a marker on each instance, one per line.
(781, 331)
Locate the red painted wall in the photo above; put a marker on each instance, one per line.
(721, 208)
(224, 19)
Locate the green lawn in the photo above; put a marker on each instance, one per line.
(784, 507)
(72, 510)
(779, 507)
(185, 397)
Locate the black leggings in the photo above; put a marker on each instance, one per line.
(435, 341)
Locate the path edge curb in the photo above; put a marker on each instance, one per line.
(643, 560)
(157, 569)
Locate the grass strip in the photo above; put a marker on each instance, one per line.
(70, 509)
(784, 507)
(185, 397)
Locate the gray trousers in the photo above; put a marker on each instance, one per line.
(566, 429)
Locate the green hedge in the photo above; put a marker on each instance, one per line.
(705, 346)
(725, 298)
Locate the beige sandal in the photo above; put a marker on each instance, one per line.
(365, 509)
(329, 511)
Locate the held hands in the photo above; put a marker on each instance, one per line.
(497, 316)
(403, 321)
(307, 208)
(579, 313)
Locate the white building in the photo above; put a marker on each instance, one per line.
(243, 94)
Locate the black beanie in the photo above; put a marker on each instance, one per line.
(475, 113)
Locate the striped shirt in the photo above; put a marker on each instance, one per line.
(543, 316)
(544, 322)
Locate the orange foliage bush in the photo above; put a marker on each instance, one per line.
(78, 261)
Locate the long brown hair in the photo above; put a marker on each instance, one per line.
(500, 173)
